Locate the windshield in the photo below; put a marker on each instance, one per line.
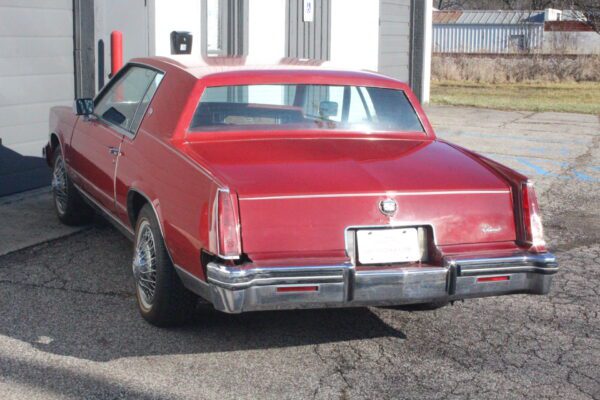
(292, 107)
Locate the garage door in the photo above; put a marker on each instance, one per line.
(36, 73)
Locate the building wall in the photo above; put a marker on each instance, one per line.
(36, 73)
(132, 21)
(571, 42)
(174, 15)
(394, 38)
(459, 38)
(36, 69)
(266, 40)
(355, 33)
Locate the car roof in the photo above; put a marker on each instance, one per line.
(209, 66)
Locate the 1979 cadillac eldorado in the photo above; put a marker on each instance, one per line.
(287, 186)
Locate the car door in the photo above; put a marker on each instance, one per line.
(97, 139)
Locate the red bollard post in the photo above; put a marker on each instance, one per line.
(116, 51)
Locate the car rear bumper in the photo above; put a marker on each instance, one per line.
(252, 288)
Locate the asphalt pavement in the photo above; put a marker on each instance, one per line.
(69, 328)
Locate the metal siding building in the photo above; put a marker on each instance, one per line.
(487, 31)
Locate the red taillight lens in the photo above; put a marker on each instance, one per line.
(228, 229)
(292, 289)
(532, 221)
(494, 278)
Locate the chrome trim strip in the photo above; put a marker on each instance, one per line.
(193, 283)
(160, 223)
(524, 258)
(542, 263)
(421, 193)
(116, 161)
(112, 218)
(60, 144)
(236, 278)
(508, 270)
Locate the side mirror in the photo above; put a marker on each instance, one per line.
(83, 106)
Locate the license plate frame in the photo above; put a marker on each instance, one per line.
(388, 246)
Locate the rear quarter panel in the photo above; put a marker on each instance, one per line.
(181, 194)
(180, 191)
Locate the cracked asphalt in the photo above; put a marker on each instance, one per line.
(69, 327)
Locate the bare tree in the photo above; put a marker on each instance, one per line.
(499, 4)
(589, 11)
(450, 4)
(528, 4)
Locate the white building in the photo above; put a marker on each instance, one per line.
(54, 50)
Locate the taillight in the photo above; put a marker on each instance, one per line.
(228, 228)
(532, 221)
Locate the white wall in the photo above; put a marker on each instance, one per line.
(428, 43)
(174, 15)
(266, 29)
(394, 38)
(355, 33)
(36, 69)
(132, 19)
(571, 42)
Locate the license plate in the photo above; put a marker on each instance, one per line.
(384, 246)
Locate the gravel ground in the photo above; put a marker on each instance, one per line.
(69, 327)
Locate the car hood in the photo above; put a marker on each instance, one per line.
(284, 167)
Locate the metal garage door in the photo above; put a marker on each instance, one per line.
(36, 72)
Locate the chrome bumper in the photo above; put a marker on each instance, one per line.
(252, 288)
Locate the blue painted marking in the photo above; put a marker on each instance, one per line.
(538, 170)
(575, 174)
(540, 150)
(514, 138)
(584, 177)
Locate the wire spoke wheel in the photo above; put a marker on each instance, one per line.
(144, 265)
(59, 185)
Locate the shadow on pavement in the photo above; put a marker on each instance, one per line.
(20, 173)
(70, 383)
(64, 301)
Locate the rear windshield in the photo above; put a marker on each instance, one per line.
(292, 107)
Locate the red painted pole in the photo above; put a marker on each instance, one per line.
(116, 51)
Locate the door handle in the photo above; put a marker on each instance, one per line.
(115, 151)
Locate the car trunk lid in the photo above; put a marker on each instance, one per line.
(297, 196)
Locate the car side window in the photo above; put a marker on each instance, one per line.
(120, 103)
(141, 111)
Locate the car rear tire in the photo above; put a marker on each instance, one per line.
(162, 299)
(70, 207)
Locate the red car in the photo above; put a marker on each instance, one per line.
(290, 186)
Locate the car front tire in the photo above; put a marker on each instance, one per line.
(162, 299)
(70, 208)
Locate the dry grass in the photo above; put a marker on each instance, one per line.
(583, 97)
(528, 68)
